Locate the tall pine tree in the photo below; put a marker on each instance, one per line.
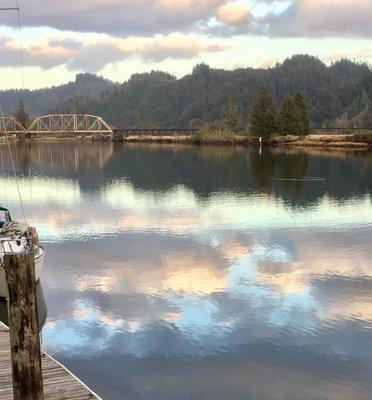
(21, 115)
(290, 120)
(304, 116)
(263, 121)
(232, 115)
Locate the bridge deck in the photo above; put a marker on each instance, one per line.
(59, 383)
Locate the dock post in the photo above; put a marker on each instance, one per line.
(23, 326)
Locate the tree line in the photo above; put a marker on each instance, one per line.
(333, 94)
(291, 118)
(336, 95)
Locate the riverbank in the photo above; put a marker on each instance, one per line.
(352, 141)
(331, 141)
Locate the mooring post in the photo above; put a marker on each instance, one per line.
(23, 326)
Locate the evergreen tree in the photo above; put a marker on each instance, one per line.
(365, 119)
(304, 116)
(263, 116)
(21, 115)
(343, 122)
(159, 99)
(290, 120)
(232, 115)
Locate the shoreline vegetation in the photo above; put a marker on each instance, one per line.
(284, 124)
(336, 95)
(360, 140)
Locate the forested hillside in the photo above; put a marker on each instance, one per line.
(44, 100)
(339, 94)
(342, 90)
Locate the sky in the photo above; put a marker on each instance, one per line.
(116, 38)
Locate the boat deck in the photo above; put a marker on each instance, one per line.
(59, 383)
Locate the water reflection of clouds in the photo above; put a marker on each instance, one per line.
(160, 277)
(41, 190)
(75, 333)
(205, 304)
(285, 294)
(237, 268)
(61, 212)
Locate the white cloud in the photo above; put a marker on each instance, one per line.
(119, 17)
(92, 55)
(233, 13)
(337, 18)
(337, 56)
(269, 63)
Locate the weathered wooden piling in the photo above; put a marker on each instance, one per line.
(22, 367)
(23, 327)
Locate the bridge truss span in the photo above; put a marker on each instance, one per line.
(10, 125)
(69, 123)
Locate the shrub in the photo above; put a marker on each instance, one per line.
(363, 137)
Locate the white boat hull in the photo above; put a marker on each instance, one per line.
(39, 261)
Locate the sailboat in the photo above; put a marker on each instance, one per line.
(17, 238)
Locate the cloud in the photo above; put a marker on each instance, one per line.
(364, 53)
(269, 63)
(40, 54)
(338, 18)
(145, 18)
(233, 13)
(177, 47)
(118, 17)
(66, 43)
(238, 65)
(300, 18)
(337, 56)
(92, 55)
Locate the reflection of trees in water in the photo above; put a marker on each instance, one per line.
(265, 168)
(344, 175)
(205, 170)
(261, 167)
(208, 170)
(294, 168)
(73, 160)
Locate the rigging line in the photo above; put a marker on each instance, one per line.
(14, 170)
(20, 44)
(3, 176)
(1, 110)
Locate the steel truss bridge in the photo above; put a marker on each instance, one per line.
(57, 124)
(11, 125)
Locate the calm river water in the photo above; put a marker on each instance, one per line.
(179, 273)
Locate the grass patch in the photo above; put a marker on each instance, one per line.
(219, 133)
(363, 137)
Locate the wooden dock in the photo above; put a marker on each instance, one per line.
(59, 383)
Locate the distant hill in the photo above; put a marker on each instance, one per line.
(339, 94)
(42, 101)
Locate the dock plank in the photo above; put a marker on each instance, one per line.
(59, 383)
